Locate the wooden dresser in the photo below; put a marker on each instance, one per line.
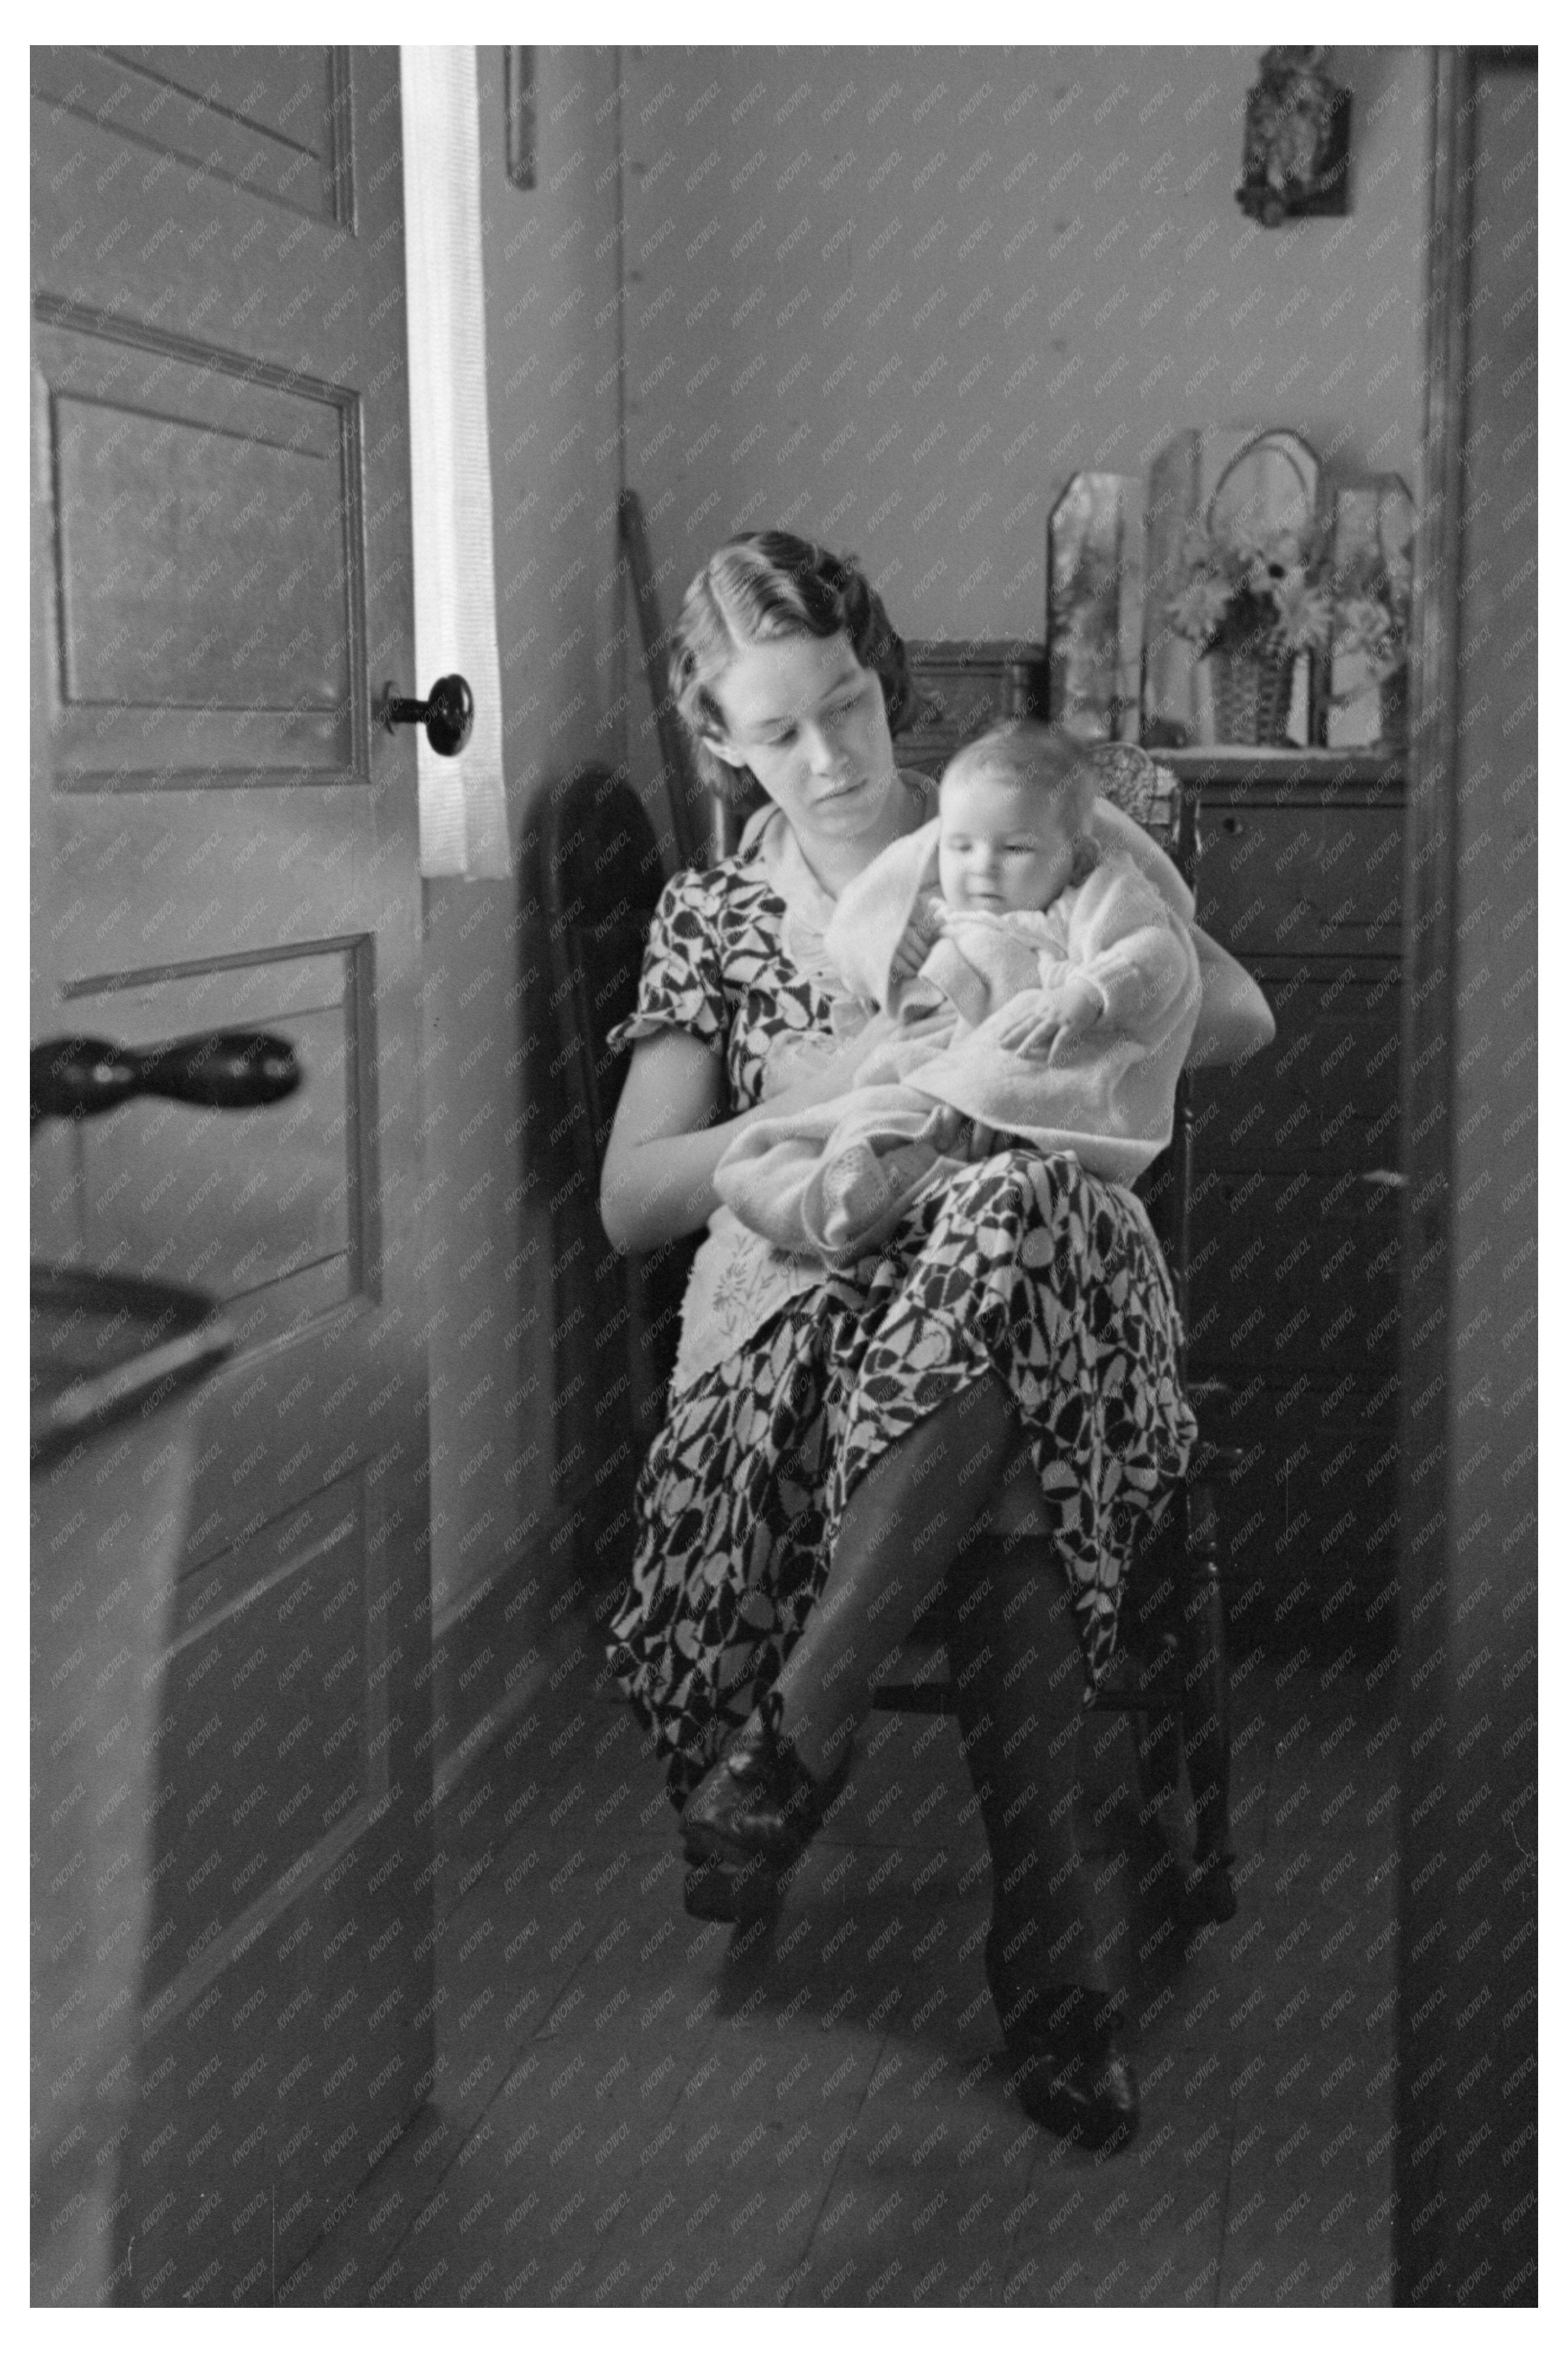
(1294, 1270)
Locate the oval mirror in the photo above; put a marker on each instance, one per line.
(1268, 486)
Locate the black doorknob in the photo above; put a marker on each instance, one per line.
(447, 718)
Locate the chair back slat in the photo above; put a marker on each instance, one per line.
(600, 878)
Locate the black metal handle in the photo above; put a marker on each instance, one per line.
(447, 718)
(229, 1070)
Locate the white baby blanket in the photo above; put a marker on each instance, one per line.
(834, 1179)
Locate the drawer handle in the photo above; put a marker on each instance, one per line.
(1230, 825)
(232, 1070)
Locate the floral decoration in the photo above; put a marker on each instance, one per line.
(1259, 594)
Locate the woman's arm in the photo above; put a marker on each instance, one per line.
(1116, 830)
(1233, 1019)
(657, 1179)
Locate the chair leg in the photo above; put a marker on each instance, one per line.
(1156, 1587)
(1158, 1747)
(1205, 1708)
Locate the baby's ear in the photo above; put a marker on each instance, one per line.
(1085, 858)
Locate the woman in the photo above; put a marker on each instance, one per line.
(986, 1408)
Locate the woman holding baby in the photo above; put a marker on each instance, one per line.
(980, 1409)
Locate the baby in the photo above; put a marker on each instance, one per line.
(1015, 849)
(1045, 994)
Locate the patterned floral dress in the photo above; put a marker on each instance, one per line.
(1023, 1266)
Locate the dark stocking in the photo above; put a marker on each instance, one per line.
(1018, 1668)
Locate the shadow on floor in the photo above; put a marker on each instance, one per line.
(630, 2109)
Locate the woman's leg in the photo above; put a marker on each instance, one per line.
(898, 1535)
(1017, 1510)
(900, 1531)
(1017, 1667)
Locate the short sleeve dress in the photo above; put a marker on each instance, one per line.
(1023, 1266)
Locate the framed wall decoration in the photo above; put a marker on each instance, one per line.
(1296, 155)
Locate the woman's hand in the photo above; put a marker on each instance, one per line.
(954, 1132)
(658, 1179)
(919, 936)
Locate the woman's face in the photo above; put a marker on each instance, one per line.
(812, 726)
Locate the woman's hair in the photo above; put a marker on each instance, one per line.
(1048, 760)
(758, 588)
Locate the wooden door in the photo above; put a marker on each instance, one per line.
(222, 834)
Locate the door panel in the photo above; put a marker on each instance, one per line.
(276, 1763)
(169, 1189)
(203, 2224)
(191, 482)
(222, 569)
(274, 121)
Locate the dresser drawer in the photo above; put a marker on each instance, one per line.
(1294, 1274)
(1309, 1519)
(1325, 1095)
(1305, 878)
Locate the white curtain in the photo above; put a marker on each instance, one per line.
(462, 800)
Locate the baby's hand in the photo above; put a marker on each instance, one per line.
(1028, 1025)
(1029, 1033)
(1047, 1027)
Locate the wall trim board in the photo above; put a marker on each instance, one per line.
(1464, 2228)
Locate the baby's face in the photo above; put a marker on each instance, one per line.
(1002, 844)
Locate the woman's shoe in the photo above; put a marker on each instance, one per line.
(751, 1819)
(1071, 2072)
(1089, 2097)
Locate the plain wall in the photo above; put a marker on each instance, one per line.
(893, 297)
(552, 265)
(897, 298)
